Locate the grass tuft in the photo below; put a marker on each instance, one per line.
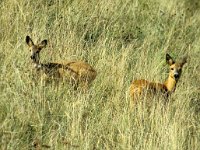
(123, 40)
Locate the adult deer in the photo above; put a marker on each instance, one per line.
(143, 86)
(79, 73)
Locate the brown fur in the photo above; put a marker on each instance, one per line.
(79, 73)
(139, 86)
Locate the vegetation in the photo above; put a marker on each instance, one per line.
(123, 40)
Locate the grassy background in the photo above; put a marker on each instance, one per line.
(123, 40)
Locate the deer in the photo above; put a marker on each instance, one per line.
(78, 73)
(139, 87)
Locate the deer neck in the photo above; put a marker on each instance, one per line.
(170, 84)
(38, 66)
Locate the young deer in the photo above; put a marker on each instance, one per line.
(139, 86)
(77, 72)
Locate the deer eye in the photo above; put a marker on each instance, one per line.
(172, 68)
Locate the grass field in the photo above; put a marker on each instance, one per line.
(123, 40)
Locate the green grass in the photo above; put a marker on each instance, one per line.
(123, 40)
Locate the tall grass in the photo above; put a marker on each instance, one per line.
(123, 40)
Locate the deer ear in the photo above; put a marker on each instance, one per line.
(43, 44)
(169, 60)
(29, 41)
(183, 61)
